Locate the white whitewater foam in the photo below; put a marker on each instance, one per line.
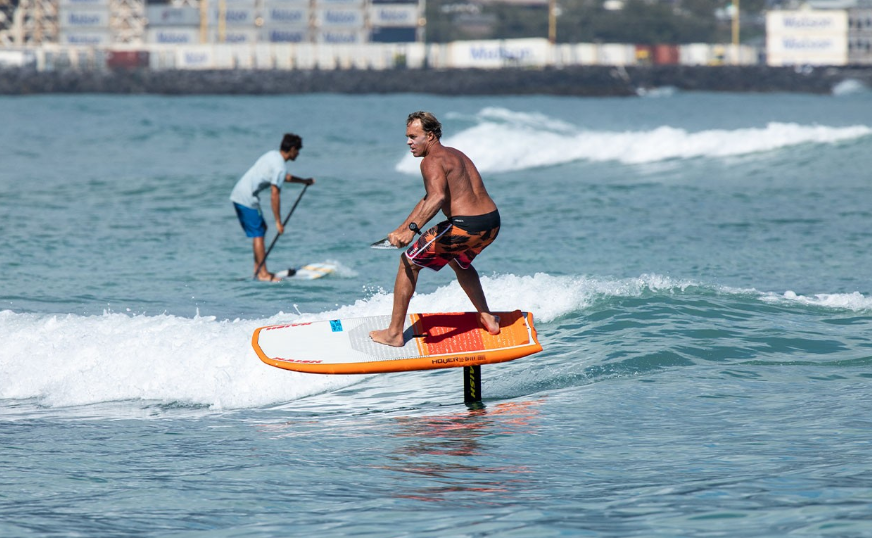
(856, 301)
(73, 360)
(656, 93)
(503, 141)
(849, 87)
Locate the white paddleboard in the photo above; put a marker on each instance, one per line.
(307, 272)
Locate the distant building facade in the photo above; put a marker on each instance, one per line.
(807, 37)
(821, 36)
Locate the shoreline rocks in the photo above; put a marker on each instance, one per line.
(568, 81)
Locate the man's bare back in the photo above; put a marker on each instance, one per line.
(466, 194)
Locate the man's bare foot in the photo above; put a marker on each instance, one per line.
(384, 337)
(490, 322)
(268, 277)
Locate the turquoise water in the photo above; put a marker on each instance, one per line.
(698, 266)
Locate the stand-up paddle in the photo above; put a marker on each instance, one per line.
(385, 244)
(276, 238)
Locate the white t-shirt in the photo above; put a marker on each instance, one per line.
(268, 170)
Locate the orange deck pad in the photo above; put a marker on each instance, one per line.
(458, 333)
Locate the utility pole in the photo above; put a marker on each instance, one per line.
(735, 31)
(552, 21)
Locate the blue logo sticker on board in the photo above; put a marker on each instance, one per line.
(336, 325)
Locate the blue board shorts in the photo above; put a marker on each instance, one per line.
(251, 220)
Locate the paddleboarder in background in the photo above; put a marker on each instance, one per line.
(269, 171)
(451, 183)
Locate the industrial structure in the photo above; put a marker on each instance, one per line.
(376, 34)
(102, 23)
(37, 22)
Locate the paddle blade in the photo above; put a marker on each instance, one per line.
(383, 244)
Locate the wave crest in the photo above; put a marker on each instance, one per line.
(504, 141)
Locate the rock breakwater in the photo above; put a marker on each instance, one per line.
(571, 81)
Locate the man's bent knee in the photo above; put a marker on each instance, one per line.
(408, 265)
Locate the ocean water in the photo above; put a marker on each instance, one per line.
(698, 266)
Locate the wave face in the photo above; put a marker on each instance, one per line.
(502, 141)
(73, 360)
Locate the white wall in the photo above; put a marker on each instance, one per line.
(807, 37)
(488, 54)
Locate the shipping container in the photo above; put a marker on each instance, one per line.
(83, 17)
(165, 15)
(286, 15)
(616, 54)
(84, 37)
(666, 54)
(339, 17)
(201, 57)
(416, 54)
(341, 36)
(16, 58)
(84, 3)
(223, 56)
(263, 56)
(585, 53)
(287, 34)
(173, 35)
(398, 15)
(127, 59)
(566, 54)
(437, 55)
(394, 35)
(644, 54)
(236, 35)
(304, 56)
(286, 4)
(339, 3)
(283, 55)
(243, 57)
(695, 54)
(233, 15)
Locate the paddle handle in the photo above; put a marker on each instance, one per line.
(276, 238)
(385, 244)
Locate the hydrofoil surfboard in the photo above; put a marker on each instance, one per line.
(441, 340)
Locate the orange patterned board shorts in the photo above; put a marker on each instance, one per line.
(458, 238)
